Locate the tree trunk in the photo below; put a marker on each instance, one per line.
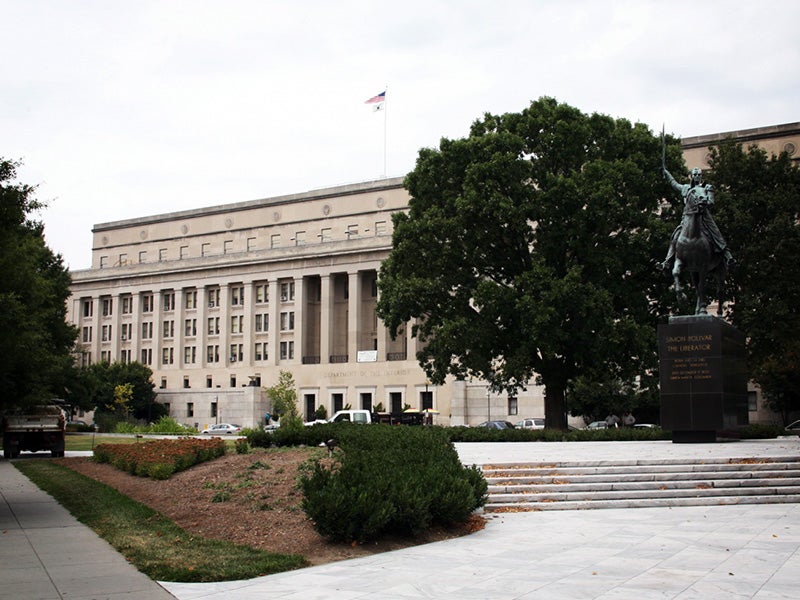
(555, 407)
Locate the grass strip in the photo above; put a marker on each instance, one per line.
(150, 541)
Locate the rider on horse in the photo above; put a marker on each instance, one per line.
(697, 192)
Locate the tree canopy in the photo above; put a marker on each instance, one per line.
(529, 249)
(120, 390)
(758, 209)
(36, 340)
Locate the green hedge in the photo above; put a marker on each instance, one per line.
(388, 479)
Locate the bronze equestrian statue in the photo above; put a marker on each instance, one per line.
(697, 246)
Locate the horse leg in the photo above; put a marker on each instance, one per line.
(700, 287)
(676, 276)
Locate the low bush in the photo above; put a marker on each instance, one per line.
(621, 434)
(386, 479)
(165, 425)
(159, 459)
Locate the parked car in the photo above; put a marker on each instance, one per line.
(646, 426)
(222, 429)
(793, 428)
(597, 425)
(497, 425)
(532, 423)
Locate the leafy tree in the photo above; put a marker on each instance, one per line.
(530, 248)
(284, 400)
(36, 340)
(758, 210)
(122, 388)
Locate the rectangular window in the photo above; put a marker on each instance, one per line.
(237, 322)
(260, 352)
(212, 294)
(213, 325)
(147, 356)
(262, 293)
(127, 305)
(251, 244)
(262, 322)
(513, 406)
(189, 355)
(237, 352)
(106, 333)
(125, 356)
(88, 308)
(287, 321)
(123, 259)
(752, 401)
(87, 334)
(147, 303)
(287, 350)
(227, 246)
(380, 228)
(326, 234)
(237, 295)
(205, 249)
(186, 384)
(213, 409)
(147, 330)
(300, 238)
(212, 354)
(168, 301)
(167, 356)
(287, 291)
(168, 329)
(104, 265)
(190, 327)
(126, 332)
(105, 356)
(190, 409)
(275, 240)
(142, 257)
(108, 307)
(184, 252)
(190, 299)
(352, 231)
(162, 254)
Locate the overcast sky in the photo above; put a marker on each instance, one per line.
(121, 109)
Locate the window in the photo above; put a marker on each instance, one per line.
(426, 399)
(163, 383)
(105, 356)
(190, 327)
(260, 351)
(125, 356)
(88, 307)
(513, 405)
(106, 333)
(190, 299)
(186, 382)
(752, 401)
(275, 240)
(104, 264)
(205, 249)
(209, 384)
(147, 303)
(189, 355)
(287, 350)
(233, 381)
(213, 409)
(380, 227)
(127, 305)
(287, 321)
(184, 252)
(87, 334)
(300, 238)
(338, 401)
(126, 332)
(352, 231)
(108, 307)
(251, 244)
(162, 254)
(212, 295)
(212, 354)
(147, 330)
(213, 325)
(287, 291)
(237, 324)
(123, 259)
(147, 356)
(227, 246)
(168, 301)
(262, 322)
(262, 293)
(142, 257)
(237, 352)
(167, 356)
(190, 409)
(168, 329)
(237, 295)
(325, 234)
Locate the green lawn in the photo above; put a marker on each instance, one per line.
(150, 541)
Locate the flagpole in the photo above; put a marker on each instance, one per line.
(385, 120)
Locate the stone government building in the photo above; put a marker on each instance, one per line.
(216, 301)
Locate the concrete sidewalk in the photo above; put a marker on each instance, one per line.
(709, 552)
(703, 553)
(46, 554)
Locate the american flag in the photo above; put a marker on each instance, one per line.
(377, 99)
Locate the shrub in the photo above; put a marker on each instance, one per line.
(159, 459)
(389, 479)
(241, 446)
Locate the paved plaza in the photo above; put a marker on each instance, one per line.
(708, 552)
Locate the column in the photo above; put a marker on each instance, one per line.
(299, 310)
(273, 309)
(353, 304)
(326, 311)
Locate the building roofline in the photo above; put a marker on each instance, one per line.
(317, 194)
(742, 135)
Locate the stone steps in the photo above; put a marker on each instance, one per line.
(631, 484)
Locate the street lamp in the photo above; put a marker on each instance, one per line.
(488, 405)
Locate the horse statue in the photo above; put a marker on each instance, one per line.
(695, 253)
(697, 244)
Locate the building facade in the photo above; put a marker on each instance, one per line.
(217, 301)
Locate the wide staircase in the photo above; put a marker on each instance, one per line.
(635, 484)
